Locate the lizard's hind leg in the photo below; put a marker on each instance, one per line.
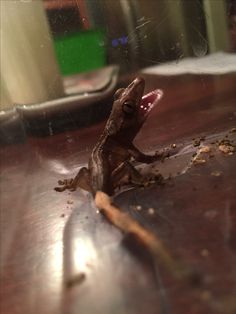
(81, 180)
(126, 173)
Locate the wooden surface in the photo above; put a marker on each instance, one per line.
(58, 255)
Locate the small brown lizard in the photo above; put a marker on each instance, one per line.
(109, 162)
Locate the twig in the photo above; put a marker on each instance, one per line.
(149, 240)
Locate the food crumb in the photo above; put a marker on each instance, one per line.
(204, 253)
(196, 142)
(204, 149)
(216, 173)
(206, 295)
(139, 207)
(151, 211)
(211, 214)
(226, 149)
(75, 280)
(62, 215)
(197, 160)
(70, 202)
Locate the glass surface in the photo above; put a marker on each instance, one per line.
(61, 63)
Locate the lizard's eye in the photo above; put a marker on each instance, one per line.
(128, 106)
(118, 93)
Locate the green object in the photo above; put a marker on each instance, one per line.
(80, 52)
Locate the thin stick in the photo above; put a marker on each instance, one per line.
(128, 225)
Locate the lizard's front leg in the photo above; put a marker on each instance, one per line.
(147, 159)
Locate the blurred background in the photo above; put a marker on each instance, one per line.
(42, 42)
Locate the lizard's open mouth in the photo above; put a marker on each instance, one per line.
(149, 101)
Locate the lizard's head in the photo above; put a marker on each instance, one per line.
(131, 107)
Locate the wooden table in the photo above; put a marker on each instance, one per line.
(50, 239)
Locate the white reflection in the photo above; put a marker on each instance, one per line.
(84, 255)
(56, 258)
(59, 167)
